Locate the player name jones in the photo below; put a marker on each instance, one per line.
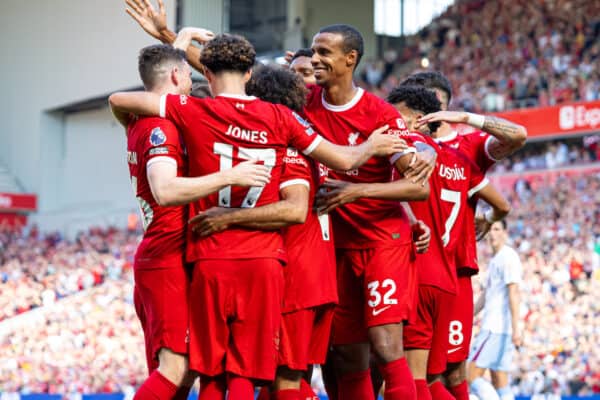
(453, 173)
(246, 134)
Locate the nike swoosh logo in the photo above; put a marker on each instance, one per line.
(454, 350)
(377, 312)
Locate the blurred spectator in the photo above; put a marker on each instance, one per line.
(506, 54)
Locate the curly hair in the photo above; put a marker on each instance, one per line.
(278, 85)
(430, 80)
(153, 61)
(417, 98)
(228, 53)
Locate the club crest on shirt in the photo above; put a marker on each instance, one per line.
(352, 138)
(157, 137)
(291, 152)
(400, 123)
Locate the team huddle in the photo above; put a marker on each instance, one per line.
(295, 219)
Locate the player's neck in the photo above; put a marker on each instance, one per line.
(166, 89)
(444, 130)
(496, 249)
(340, 93)
(226, 86)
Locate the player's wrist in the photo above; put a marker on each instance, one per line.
(167, 36)
(491, 217)
(476, 120)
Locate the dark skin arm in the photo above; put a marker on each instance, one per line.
(291, 209)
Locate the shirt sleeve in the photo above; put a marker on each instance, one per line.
(302, 136)
(477, 180)
(296, 170)
(479, 143)
(512, 268)
(175, 108)
(397, 127)
(162, 143)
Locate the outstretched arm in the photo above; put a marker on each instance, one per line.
(340, 192)
(168, 189)
(344, 158)
(137, 103)
(155, 24)
(291, 209)
(508, 136)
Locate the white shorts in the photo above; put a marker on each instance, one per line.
(493, 351)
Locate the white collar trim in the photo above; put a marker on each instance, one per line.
(447, 138)
(237, 96)
(343, 107)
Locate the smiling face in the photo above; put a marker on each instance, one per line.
(329, 59)
(303, 67)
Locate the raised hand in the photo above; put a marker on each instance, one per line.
(186, 35)
(443, 116)
(151, 21)
(383, 144)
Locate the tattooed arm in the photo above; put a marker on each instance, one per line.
(508, 137)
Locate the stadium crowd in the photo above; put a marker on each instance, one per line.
(37, 269)
(554, 224)
(502, 55)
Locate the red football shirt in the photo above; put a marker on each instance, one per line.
(310, 275)
(150, 140)
(365, 223)
(222, 132)
(474, 145)
(455, 179)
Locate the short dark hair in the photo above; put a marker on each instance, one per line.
(153, 60)
(504, 224)
(352, 38)
(228, 53)
(417, 98)
(302, 53)
(430, 80)
(278, 85)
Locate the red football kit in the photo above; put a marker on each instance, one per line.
(310, 280)
(475, 146)
(454, 180)
(368, 233)
(159, 270)
(235, 268)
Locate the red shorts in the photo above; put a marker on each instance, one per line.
(430, 329)
(376, 287)
(305, 337)
(461, 322)
(160, 297)
(235, 317)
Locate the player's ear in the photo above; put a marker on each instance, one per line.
(247, 75)
(173, 75)
(351, 58)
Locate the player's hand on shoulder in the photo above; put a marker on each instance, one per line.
(482, 227)
(211, 221)
(457, 117)
(383, 144)
(334, 193)
(249, 173)
(421, 235)
(152, 21)
(421, 167)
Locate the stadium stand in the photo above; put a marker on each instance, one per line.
(504, 54)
